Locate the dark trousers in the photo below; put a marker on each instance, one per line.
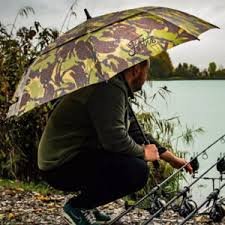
(101, 177)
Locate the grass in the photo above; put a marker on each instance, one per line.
(39, 187)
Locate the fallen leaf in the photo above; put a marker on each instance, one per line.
(43, 198)
(11, 216)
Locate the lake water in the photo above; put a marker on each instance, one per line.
(198, 104)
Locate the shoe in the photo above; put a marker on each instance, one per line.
(100, 216)
(76, 216)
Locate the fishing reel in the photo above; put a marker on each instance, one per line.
(186, 206)
(217, 212)
(156, 205)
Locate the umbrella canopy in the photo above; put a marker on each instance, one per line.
(100, 48)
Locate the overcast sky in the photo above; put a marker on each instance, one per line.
(51, 13)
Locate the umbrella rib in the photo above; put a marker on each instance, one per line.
(177, 26)
(198, 18)
(96, 59)
(213, 26)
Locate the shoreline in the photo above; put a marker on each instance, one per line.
(20, 207)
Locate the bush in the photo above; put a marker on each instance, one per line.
(19, 137)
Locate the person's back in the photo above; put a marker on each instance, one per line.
(68, 128)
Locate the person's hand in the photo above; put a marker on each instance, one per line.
(177, 163)
(151, 153)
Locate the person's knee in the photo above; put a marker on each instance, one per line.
(138, 175)
(143, 175)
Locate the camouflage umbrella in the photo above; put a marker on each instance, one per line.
(100, 48)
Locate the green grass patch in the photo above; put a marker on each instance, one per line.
(39, 187)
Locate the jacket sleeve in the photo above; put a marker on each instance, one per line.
(137, 136)
(107, 110)
(161, 149)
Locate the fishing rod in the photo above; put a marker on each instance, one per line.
(188, 205)
(146, 141)
(185, 190)
(158, 186)
(217, 212)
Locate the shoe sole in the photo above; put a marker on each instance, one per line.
(68, 219)
(101, 222)
(71, 222)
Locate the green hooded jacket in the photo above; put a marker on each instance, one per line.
(94, 117)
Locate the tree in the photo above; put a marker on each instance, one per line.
(161, 66)
(194, 71)
(186, 71)
(212, 69)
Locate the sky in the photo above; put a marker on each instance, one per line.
(52, 13)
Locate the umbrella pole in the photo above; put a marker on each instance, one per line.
(87, 14)
(146, 141)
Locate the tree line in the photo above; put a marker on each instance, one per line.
(19, 137)
(163, 69)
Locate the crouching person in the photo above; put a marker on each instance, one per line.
(86, 147)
